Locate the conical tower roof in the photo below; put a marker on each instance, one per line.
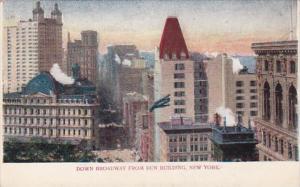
(172, 40)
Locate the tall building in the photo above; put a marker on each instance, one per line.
(85, 53)
(20, 54)
(30, 47)
(48, 110)
(174, 74)
(184, 141)
(50, 49)
(277, 121)
(234, 90)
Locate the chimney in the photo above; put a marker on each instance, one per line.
(172, 43)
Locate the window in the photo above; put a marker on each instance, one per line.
(239, 98)
(240, 105)
(290, 151)
(252, 90)
(278, 104)
(278, 66)
(281, 147)
(292, 99)
(292, 67)
(239, 91)
(266, 64)
(253, 113)
(253, 105)
(252, 83)
(264, 138)
(179, 102)
(173, 149)
(266, 102)
(179, 110)
(239, 83)
(269, 140)
(276, 144)
(172, 139)
(178, 84)
(179, 76)
(182, 138)
(253, 97)
(179, 66)
(179, 94)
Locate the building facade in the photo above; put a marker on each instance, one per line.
(20, 54)
(50, 49)
(174, 74)
(84, 52)
(49, 110)
(182, 143)
(234, 90)
(277, 121)
(30, 47)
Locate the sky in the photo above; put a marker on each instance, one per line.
(208, 25)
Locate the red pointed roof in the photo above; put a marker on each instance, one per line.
(172, 41)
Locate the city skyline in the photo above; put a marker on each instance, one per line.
(236, 25)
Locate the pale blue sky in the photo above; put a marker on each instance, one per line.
(208, 25)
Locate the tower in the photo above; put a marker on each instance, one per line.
(56, 14)
(38, 13)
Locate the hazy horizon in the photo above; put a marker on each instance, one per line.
(208, 26)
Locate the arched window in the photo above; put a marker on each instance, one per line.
(278, 66)
(266, 102)
(278, 104)
(292, 107)
(292, 67)
(266, 65)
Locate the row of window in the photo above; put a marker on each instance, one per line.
(252, 97)
(278, 145)
(185, 158)
(280, 67)
(43, 131)
(241, 83)
(252, 113)
(45, 121)
(32, 111)
(240, 91)
(242, 105)
(182, 138)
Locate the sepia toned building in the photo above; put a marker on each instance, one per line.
(50, 49)
(84, 52)
(48, 110)
(277, 121)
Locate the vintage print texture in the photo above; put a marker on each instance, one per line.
(149, 81)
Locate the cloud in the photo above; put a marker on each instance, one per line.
(226, 112)
(60, 76)
(236, 65)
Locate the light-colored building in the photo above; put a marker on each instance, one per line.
(20, 54)
(234, 90)
(51, 111)
(84, 52)
(277, 121)
(30, 47)
(174, 74)
(185, 142)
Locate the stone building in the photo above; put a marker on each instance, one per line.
(84, 52)
(277, 121)
(50, 50)
(184, 142)
(52, 111)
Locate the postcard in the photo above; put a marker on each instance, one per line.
(140, 93)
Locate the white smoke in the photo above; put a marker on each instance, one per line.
(60, 76)
(226, 112)
(126, 62)
(117, 59)
(236, 65)
(211, 54)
